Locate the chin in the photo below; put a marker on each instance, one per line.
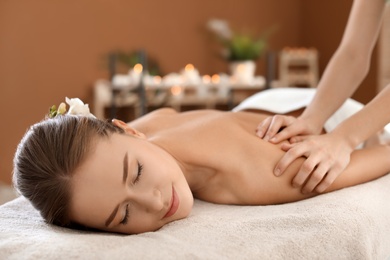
(187, 207)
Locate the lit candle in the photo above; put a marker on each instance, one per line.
(177, 91)
(206, 79)
(189, 67)
(138, 68)
(203, 89)
(191, 75)
(215, 79)
(135, 73)
(157, 80)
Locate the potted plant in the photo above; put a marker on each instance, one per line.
(240, 49)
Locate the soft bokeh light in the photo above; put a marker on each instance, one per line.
(138, 68)
(157, 79)
(189, 67)
(241, 68)
(176, 90)
(206, 79)
(215, 79)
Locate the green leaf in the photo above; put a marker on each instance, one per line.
(53, 111)
(243, 47)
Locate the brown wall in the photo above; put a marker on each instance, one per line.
(53, 49)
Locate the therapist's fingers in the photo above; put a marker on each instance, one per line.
(291, 128)
(299, 138)
(287, 146)
(308, 166)
(269, 127)
(294, 152)
(278, 123)
(328, 180)
(263, 127)
(317, 176)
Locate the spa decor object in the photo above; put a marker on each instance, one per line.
(76, 107)
(240, 49)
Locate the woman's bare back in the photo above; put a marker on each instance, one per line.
(223, 160)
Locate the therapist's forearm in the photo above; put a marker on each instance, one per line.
(338, 83)
(350, 63)
(368, 121)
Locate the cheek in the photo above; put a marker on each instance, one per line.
(162, 166)
(143, 224)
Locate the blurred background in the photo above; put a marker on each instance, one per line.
(50, 50)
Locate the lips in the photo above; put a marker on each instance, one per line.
(174, 205)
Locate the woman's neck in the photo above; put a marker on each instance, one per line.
(181, 135)
(197, 174)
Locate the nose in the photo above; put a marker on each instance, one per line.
(150, 200)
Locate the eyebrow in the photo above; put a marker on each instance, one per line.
(111, 217)
(125, 168)
(125, 174)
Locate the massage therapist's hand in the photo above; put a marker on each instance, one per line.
(288, 126)
(327, 156)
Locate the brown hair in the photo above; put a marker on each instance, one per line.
(48, 155)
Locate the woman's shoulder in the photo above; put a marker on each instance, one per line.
(163, 111)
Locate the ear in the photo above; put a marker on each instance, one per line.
(128, 130)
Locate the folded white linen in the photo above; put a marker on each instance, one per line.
(278, 100)
(284, 100)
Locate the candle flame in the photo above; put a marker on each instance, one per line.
(176, 90)
(189, 67)
(215, 79)
(206, 79)
(157, 79)
(138, 68)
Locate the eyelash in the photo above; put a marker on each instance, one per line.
(139, 173)
(124, 220)
(126, 217)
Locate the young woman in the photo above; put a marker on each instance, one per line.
(137, 177)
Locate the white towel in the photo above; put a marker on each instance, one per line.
(284, 100)
(352, 223)
(278, 100)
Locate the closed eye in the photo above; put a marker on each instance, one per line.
(139, 172)
(126, 217)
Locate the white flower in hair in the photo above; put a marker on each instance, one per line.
(61, 109)
(77, 107)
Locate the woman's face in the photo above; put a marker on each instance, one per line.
(129, 185)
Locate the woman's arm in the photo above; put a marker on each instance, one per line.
(365, 165)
